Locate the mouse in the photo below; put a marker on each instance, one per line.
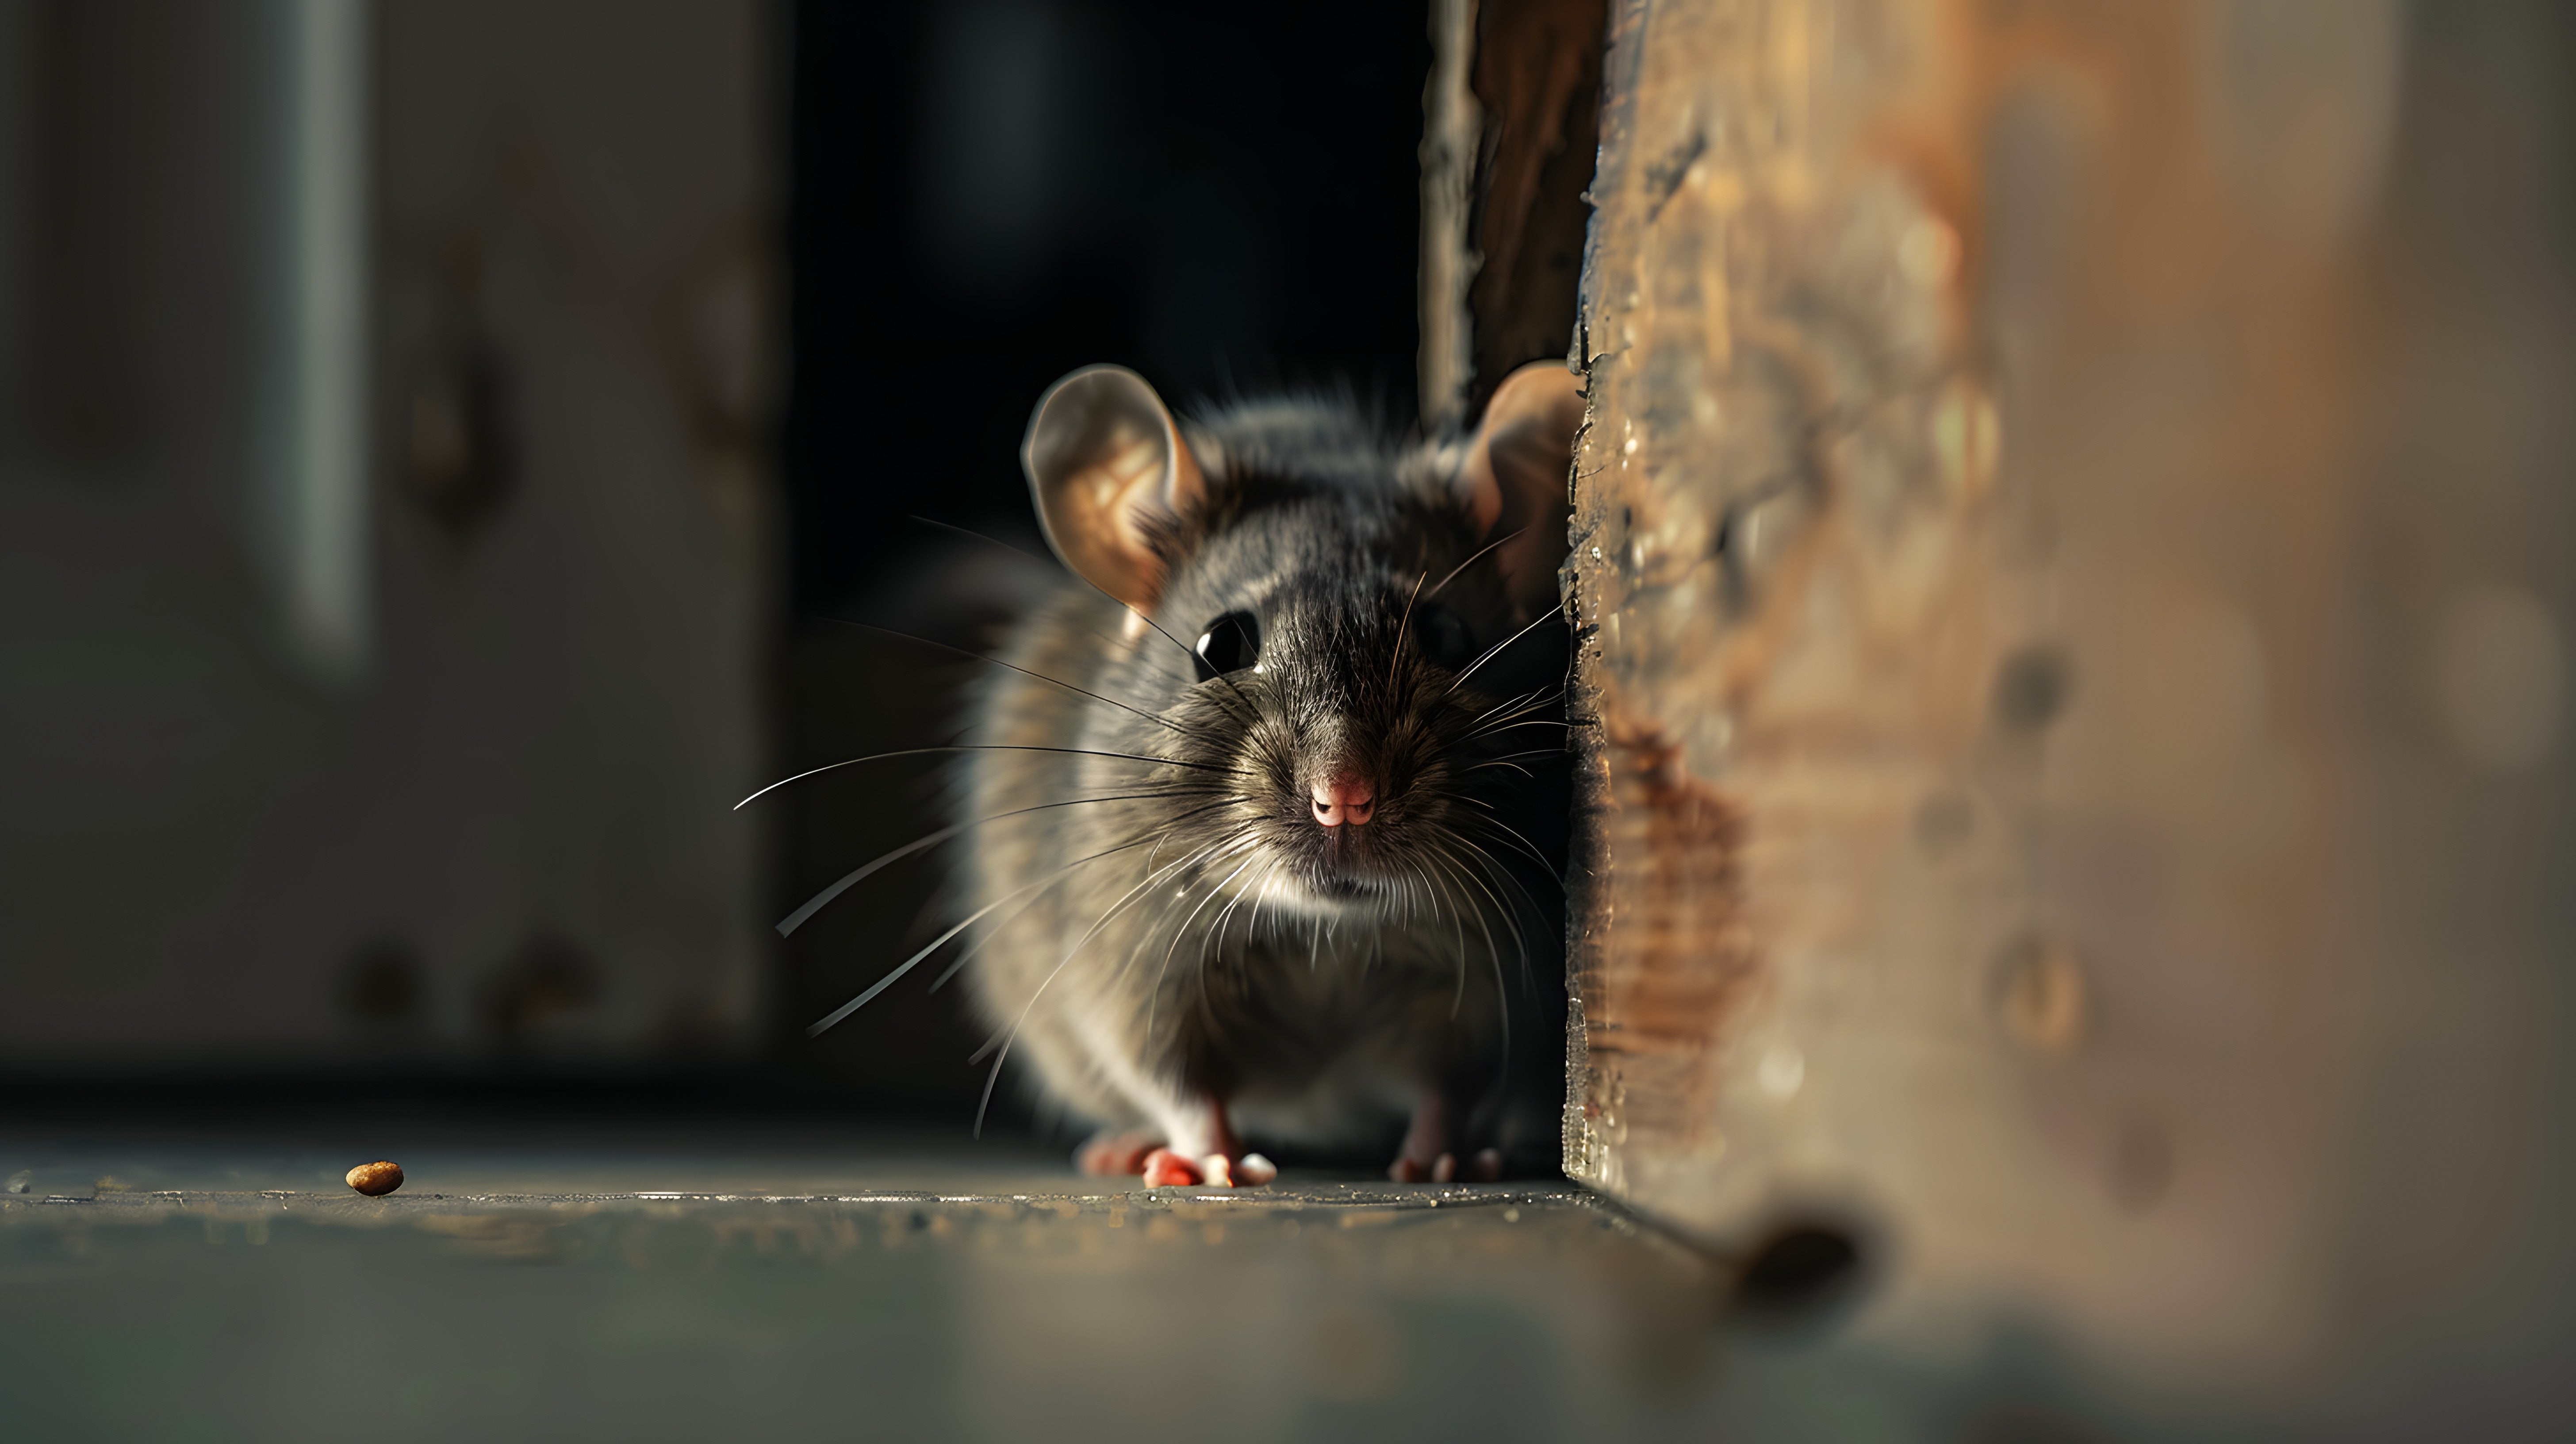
(1264, 805)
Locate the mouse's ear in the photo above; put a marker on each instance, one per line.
(1108, 467)
(1517, 480)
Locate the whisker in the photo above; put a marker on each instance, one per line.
(1253, 925)
(1256, 892)
(820, 900)
(907, 965)
(981, 537)
(980, 747)
(1396, 654)
(1458, 921)
(967, 954)
(1472, 556)
(1004, 1053)
(1494, 952)
(1535, 622)
(1494, 868)
(1039, 887)
(1131, 609)
(1224, 915)
(1514, 724)
(1519, 722)
(1154, 879)
(1194, 912)
(1151, 881)
(1519, 943)
(1164, 969)
(1511, 757)
(1156, 719)
(1535, 697)
(1505, 715)
(1516, 836)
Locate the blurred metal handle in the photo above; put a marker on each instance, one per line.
(318, 450)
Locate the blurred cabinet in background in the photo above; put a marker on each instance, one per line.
(536, 246)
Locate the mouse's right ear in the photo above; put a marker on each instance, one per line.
(1516, 483)
(1109, 469)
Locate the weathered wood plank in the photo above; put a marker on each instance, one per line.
(2007, 796)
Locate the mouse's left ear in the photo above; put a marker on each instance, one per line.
(1518, 478)
(1108, 469)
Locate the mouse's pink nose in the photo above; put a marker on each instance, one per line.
(1345, 798)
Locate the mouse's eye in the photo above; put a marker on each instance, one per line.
(1442, 637)
(1230, 644)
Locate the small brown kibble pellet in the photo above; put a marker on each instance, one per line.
(375, 1180)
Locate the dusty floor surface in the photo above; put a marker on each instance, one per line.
(199, 1287)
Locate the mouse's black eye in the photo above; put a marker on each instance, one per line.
(1230, 644)
(1442, 636)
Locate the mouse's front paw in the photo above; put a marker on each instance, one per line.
(1165, 1169)
(1112, 1155)
(1250, 1171)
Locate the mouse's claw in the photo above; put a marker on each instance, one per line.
(1250, 1171)
(1165, 1169)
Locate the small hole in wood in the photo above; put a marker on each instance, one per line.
(2031, 688)
(1800, 1272)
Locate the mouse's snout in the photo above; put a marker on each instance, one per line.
(1344, 797)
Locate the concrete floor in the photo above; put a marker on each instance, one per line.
(873, 1286)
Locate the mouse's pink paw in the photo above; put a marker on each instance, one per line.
(1114, 1155)
(1165, 1169)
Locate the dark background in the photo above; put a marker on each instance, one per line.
(986, 196)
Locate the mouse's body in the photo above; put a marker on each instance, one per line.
(1252, 833)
